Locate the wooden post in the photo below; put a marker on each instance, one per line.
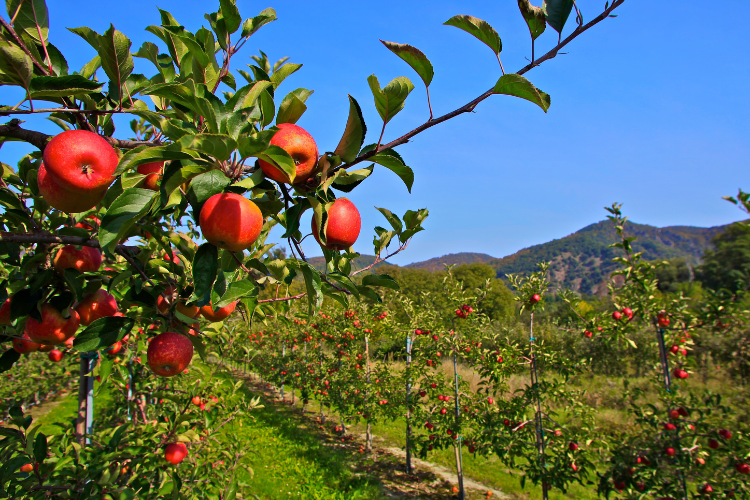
(409, 468)
(457, 443)
(368, 434)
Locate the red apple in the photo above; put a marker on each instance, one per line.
(63, 199)
(153, 172)
(25, 345)
(55, 355)
(85, 260)
(175, 453)
(230, 221)
(572, 446)
(169, 353)
(301, 147)
(617, 315)
(97, 305)
(114, 348)
(85, 225)
(680, 373)
(53, 329)
(742, 468)
(208, 312)
(535, 298)
(80, 161)
(27, 468)
(196, 400)
(725, 434)
(713, 444)
(5, 313)
(628, 312)
(344, 224)
(670, 452)
(164, 301)
(588, 334)
(174, 258)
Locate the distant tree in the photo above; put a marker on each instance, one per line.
(728, 266)
(498, 303)
(673, 274)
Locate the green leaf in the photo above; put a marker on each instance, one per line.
(280, 159)
(250, 26)
(198, 346)
(8, 359)
(283, 72)
(293, 106)
(393, 219)
(393, 162)
(414, 219)
(391, 99)
(236, 291)
(125, 211)
(218, 146)
(91, 36)
(27, 15)
(62, 86)
(40, 447)
(231, 15)
(370, 294)
(290, 219)
(535, 18)
(354, 133)
(204, 186)
(205, 270)
(557, 12)
(380, 280)
(103, 332)
(313, 286)
(145, 154)
(89, 69)
(414, 58)
(517, 85)
(478, 28)
(117, 61)
(16, 66)
(346, 180)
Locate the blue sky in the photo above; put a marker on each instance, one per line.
(648, 110)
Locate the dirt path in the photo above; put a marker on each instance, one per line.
(386, 463)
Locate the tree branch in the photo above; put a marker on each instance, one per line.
(468, 107)
(295, 297)
(13, 129)
(47, 238)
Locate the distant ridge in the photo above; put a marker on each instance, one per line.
(439, 263)
(582, 260)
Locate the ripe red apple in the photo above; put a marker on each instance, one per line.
(680, 373)
(535, 298)
(174, 258)
(572, 446)
(85, 260)
(628, 312)
(742, 468)
(713, 444)
(422, 394)
(208, 312)
(5, 313)
(670, 452)
(153, 172)
(55, 355)
(196, 400)
(588, 334)
(63, 199)
(175, 453)
(725, 434)
(230, 221)
(169, 353)
(164, 300)
(25, 345)
(27, 468)
(344, 224)
(682, 411)
(80, 161)
(99, 304)
(301, 147)
(490, 401)
(114, 348)
(53, 329)
(617, 315)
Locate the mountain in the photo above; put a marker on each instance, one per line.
(438, 263)
(582, 261)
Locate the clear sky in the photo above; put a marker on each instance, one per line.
(648, 109)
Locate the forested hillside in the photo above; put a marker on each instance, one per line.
(582, 261)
